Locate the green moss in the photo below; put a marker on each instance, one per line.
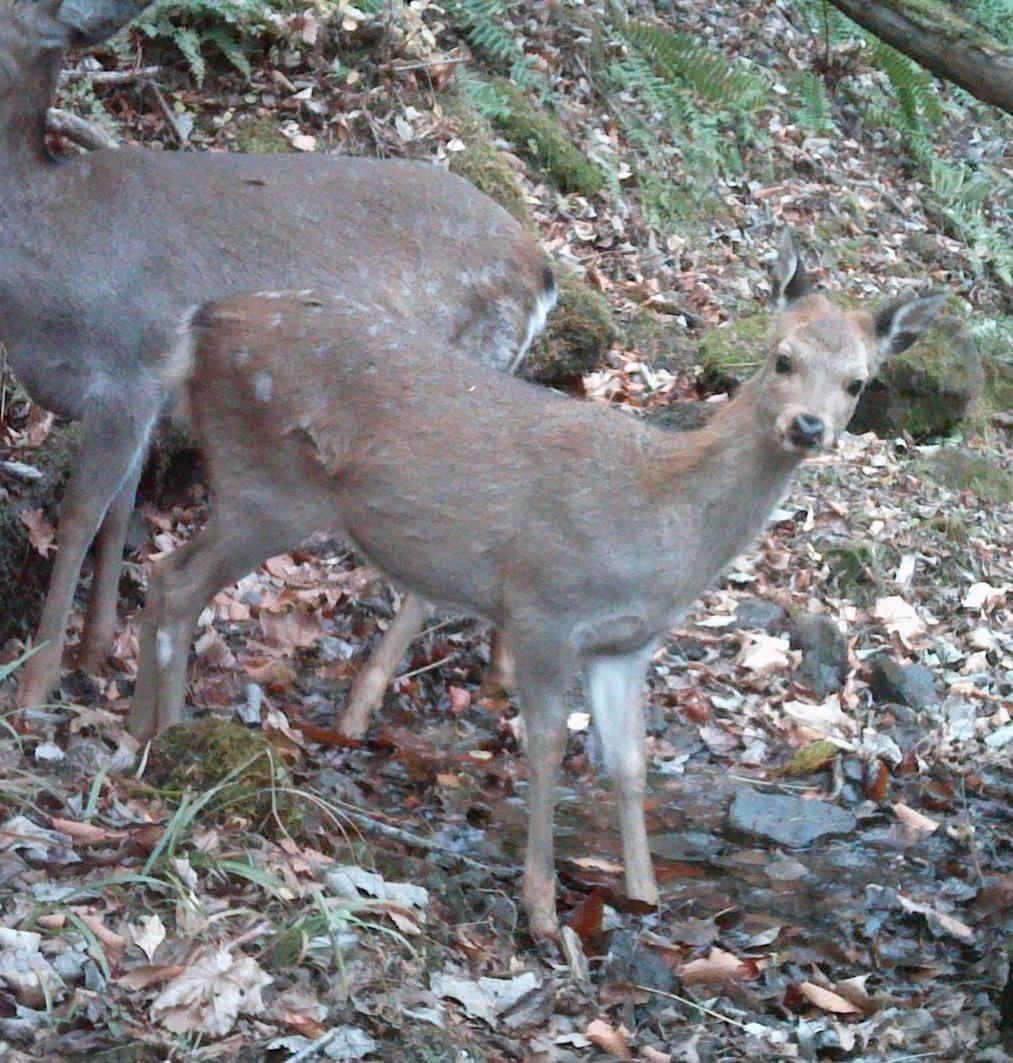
(856, 568)
(483, 164)
(964, 470)
(579, 332)
(932, 390)
(261, 136)
(950, 526)
(731, 354)
(544, 143)
(197, 756)
(658, 340)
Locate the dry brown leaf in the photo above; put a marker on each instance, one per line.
(41, 534)
(827, 1000)
(609, 1039)
(84, 833)
(148, 974)
(914, 820)
(719, 966)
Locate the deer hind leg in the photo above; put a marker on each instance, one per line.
(615, 688)
(542, 681)
(372, 681)
(112, 447)
(100, 616)
(179, 589)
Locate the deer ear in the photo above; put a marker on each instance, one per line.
(87, 22)
(788, 278)
(899, 324)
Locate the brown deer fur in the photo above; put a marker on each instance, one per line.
(580, 532)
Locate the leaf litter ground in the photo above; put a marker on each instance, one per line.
(832, 834)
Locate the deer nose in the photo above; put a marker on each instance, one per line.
(806, 431)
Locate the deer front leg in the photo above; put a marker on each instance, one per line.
(100, 617)
(372, 681)
(112, 447)
(615, 688)
(541, 684)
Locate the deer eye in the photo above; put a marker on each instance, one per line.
(782, 364)
(855, 387)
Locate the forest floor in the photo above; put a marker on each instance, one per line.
(831, 728)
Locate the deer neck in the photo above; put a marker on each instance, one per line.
(723, 480)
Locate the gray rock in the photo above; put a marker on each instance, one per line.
(755, 614)
(824, 654)
(786, 820)
(909, 684)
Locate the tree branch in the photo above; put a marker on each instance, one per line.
(79, 131)
(931, 34)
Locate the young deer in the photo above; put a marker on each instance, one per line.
(101, 254)
(581, 533)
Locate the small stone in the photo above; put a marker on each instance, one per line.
(910, 684)
(824, 654)
(786, 820)
(755, 614)
(786, 869)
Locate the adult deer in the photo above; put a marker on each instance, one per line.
(101, 254)
(580, 532)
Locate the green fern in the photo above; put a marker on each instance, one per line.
(680, 58)
(481, 21)
(485, 98)
(236, 28)
(814, 110)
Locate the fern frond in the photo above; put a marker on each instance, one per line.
(680, 57)
(814, 110)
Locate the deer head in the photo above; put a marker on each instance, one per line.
(820, 356)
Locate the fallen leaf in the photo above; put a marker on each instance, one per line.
(148, 934)
(211, 993)
(899, 617)
(762, 653)
(41, 534)
(827, 1000)
(914, 820)
(719, 966)
(611, 1039)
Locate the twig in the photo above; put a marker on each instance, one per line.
(3, 384)
(971, 843)
(693, 1004)
(109, 77)
(425, 668)
(371, 826)
(79, 130)
(423, 66)
(167, 111)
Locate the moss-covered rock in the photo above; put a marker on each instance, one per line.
(731, 354)
(483, 164)
(658, 340)
(545, 144)
(199, 755)
(964, 470)
(856, 568)
(931, 390)
(578, 334)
